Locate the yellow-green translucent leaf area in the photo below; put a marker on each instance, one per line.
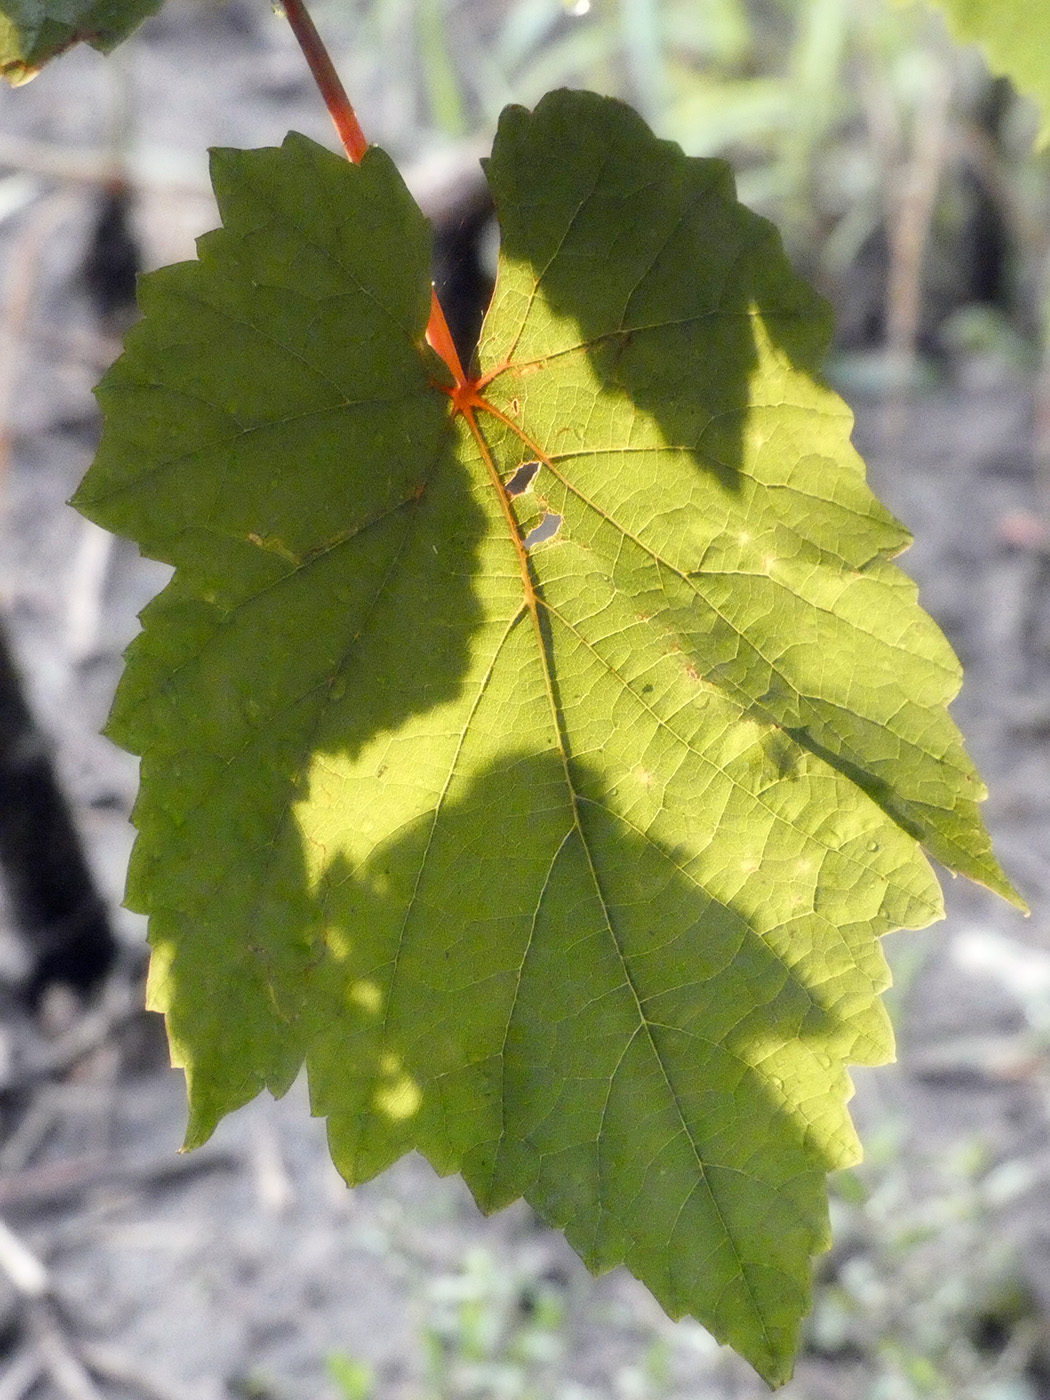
(32, 32)
(561, 857)
(1015, 38)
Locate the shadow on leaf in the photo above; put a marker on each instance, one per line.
(558, 1012)
(272, 431)
(643, 261)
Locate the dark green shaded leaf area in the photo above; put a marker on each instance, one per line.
(566, 865)
(32, 32)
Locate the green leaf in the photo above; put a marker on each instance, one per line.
(32, 32)
(563, 862)
(1015, 37)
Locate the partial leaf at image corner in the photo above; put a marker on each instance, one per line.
(32, 32)
(561, 857)
(1014, 36)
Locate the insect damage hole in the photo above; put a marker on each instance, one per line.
(522, 479)
(545, 530)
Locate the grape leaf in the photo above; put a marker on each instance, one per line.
(552, 827)
(32, 32)
(1015, 38)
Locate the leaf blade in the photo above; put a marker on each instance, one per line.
(31, 34)
(198, 402)
(753, 531)
(564, 864)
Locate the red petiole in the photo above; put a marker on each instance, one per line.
(354, 143)
(327, 79)
(467, 395)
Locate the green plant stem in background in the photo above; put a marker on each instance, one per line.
(816, 81)
(439, 71)
(640, 22)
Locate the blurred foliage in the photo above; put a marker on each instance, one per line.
(922, 1295)
(1015, 36)
(921, 1298)
(900, 172)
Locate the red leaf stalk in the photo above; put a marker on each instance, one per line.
(355, 145)
(327, 79)
(439, 338)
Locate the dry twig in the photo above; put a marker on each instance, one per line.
(42, 1185)
(22, 1375)
(21, 1265)
(120, 1004)
(65, 1368)
(111, 1365)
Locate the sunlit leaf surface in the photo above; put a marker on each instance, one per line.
(552, 828)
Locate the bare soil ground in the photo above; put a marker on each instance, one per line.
(238, 1270)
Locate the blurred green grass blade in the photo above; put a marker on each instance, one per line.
(587, 53)
(713, 114)
(817, 95)
(720, 32)
(440, 77)
(525, 27)
(643, 52)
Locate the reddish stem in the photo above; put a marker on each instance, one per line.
(439, 338)
(327, 79)
(353, 138)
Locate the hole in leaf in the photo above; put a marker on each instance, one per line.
(545, 530)
(522, 478)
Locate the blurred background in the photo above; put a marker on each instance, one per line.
(903, 179)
